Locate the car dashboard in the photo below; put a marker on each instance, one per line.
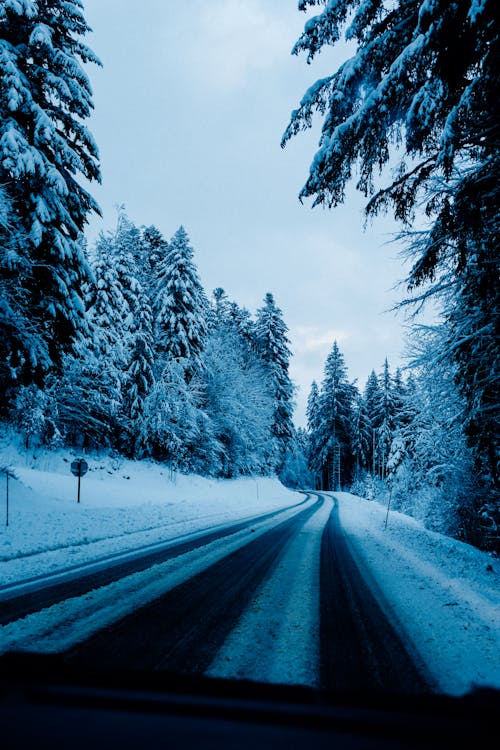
(45, 703)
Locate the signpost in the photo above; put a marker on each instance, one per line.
(79, 468)
(9, 474)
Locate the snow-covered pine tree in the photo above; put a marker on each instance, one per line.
(180, 304)
(107, 307)
(399, 390)
(385, 416)
(313, 424)
(335, 417)
(127, 259)
(434, 480)
(273, 346)
(45, 97)
(372, 398)
(295, 472)
(362, 438)
(242, 319)
(90, 389)
(154, 248)
(139, 377)
(174, 428)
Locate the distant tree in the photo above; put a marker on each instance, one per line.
(295, 472)
(45, 97)
(335, 415)
(154, 248)
(273, 346)
(385, 416)
(139, 377)
(313, 424)
(361, 431)
(180, 305)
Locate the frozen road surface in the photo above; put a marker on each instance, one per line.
(281, 598)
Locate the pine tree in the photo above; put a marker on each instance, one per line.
(154, 248)
(335, 416)
(127, 260)
(385, 416)
(313, 416)
(180, 304)
(174, 428)
(90, 389)
(242, 320)
(434, 480)
(273, 346)
(295, 472)
(399, 389)
(139, 377)
(45, 97)
(372, 398)
(361, 431)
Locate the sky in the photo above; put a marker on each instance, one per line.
(190, 107)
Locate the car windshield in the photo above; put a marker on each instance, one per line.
(248, 362)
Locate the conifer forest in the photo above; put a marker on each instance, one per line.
(115, 345)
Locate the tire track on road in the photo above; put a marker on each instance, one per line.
(361, 650)
(182, 630)
(14, 607)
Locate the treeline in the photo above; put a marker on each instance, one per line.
(401, 437)
(165, 372)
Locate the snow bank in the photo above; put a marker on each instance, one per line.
(443, 594)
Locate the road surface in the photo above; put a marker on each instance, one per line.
(279, 598)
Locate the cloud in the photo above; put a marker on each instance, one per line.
(238, 38)
(309, 339)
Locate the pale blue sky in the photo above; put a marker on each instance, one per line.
(191, 105)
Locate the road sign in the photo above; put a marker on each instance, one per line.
(79, 467)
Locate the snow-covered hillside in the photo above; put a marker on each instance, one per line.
(123, 504)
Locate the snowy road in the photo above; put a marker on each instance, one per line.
(38, 592)
(280, 600)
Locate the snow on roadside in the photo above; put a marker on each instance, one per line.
(124, 504)
(445, 594)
